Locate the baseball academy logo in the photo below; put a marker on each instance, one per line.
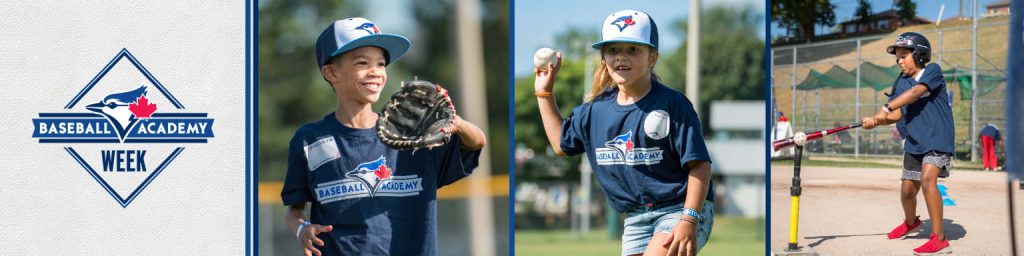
(621, 150)
(369, 179)
(125, 123)
(623, 22)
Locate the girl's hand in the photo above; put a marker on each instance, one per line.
(683, 239)
(544, 80)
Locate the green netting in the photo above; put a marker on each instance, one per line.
(881, 78)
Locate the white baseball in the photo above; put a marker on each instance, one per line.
(543, 57)
(800, 139)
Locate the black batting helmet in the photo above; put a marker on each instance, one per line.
(922, 49)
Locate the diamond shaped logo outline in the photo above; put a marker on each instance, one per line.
(124, 53)
(125, 201)
(110, 190)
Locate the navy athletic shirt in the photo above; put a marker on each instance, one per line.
(381, 201)
(927, 124)
(991, 131)
(638, 150)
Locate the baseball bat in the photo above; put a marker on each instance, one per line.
(788, 142)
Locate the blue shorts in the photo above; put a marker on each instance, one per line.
(642, 224)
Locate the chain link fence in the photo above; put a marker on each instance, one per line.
(827, 84)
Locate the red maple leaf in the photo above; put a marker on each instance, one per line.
(382, 172)
(630, 22)
(629, 144)
(142, 108)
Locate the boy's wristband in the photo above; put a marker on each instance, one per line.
(886, 108)
(299, 230)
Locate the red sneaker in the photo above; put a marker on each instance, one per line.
(902, 230)
(933, 246)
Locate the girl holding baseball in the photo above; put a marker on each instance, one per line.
(642, 138)
(919, 106)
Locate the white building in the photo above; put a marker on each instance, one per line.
(737, 147)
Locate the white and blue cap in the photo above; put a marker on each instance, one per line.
(628, 26)
(348, 34)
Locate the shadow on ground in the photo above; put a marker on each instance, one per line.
(952, 230)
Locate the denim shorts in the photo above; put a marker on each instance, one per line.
(912, 164)
(642, 224)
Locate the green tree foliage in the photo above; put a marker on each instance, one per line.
(731, 59)
(863, 14)
(802, 15)
(906, 10)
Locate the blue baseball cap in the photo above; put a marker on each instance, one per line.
(628, 26)
(348, 34)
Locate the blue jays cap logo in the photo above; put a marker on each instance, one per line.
(119, 127)
(372, 174)
(369, 28)
(623, 22)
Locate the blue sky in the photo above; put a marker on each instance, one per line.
(928, 9)
(538, 21)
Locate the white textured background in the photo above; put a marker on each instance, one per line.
(49, 50)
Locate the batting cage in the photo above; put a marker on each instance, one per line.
(846, 196)
(824, 85)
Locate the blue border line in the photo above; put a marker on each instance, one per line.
(250, 224)
(767, 125)
(511, 128)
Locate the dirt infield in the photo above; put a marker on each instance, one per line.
(849, 211)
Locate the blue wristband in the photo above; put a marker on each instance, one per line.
(298, 231)
(693, 213)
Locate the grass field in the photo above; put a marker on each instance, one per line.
(730, 236)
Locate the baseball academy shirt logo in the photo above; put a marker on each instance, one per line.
(620, 150)
(369, 179)
(623, 22)
(124, 128)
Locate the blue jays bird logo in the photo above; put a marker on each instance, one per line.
(623, 22)
(371, 174)
(624, 143)
(368, 27)
(123, 109)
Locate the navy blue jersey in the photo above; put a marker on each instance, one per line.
(991, 131)
(381, 201)
(927, 124)
(638, 150)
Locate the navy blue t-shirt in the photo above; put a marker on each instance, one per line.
(380, 200)
(991, 131)
(638, 150)
(927, 124)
